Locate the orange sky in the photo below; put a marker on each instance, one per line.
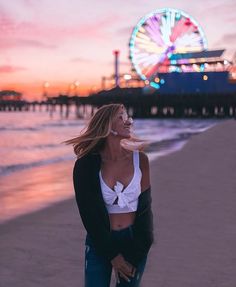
(60, 41)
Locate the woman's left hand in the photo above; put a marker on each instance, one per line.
(122, 268)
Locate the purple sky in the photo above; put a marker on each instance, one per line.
(61, 41)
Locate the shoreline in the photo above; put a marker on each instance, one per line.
(193, 193)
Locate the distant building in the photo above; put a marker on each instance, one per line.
(10, 95)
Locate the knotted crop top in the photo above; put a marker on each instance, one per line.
(127, 198)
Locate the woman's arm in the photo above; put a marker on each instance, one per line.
(142, 230)
(144, 166)
(143, 224)
(90, 211)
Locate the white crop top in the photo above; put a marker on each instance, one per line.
(127, 197)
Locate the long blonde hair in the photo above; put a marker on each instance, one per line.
(93, 136)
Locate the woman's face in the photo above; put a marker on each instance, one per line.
(122, 123)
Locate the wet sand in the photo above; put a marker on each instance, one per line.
(194, 195)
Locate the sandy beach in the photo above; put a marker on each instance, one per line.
(194, 195)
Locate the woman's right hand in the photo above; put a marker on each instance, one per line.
(122, 268)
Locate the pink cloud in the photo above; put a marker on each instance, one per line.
(29, 2)
(126, 30)
(225, 8)
(110, 63)
(227, 39)
(121, 63)
(17, 43)
(96, 29)
(39, 33)
(231, 19)
(11, 69)
(225, 12)
(80, 60)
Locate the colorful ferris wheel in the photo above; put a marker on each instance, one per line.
(159, 38)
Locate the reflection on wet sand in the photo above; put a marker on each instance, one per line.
(32, 189)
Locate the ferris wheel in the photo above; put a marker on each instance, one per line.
(159, 38)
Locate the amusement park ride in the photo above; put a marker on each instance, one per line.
(168, 51)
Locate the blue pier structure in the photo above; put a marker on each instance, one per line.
(203, 72)
(194, 83)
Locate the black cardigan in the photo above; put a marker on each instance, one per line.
(95, 217)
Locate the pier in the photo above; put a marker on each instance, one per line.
(138, 103)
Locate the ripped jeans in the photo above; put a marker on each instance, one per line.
(98, 269)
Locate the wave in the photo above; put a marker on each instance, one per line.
(160, 147)
(166, 144)
(42, 126)
(160, 144)
(41, 146)
(64, 124)
(5, 170)
(9, 128)
(30, 147)
(169, 134)
(169, 145)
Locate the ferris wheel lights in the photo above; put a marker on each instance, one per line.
(127, 77)
(177, 16)
(158, 39)
(141, 29)
(205, 77)
(202, 67)
(155, 85)
(157, 80)
(143, 36)
(146, 82)
(196, 68)
(162, 81)
(135, 30)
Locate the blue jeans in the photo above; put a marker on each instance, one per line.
(98, 269)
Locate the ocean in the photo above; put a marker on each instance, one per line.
(29, 140)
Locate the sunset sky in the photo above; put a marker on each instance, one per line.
(62, 41)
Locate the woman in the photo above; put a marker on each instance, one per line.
(112, 188)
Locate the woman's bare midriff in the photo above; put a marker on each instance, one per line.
(121, 220)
